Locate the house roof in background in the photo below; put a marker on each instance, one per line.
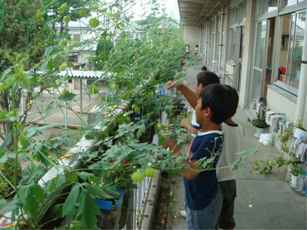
(86, 74)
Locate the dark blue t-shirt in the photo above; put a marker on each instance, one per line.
(202, 189)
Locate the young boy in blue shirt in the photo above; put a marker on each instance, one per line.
(232, 133)
(216, 104)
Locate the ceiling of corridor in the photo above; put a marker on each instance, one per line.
(193, 11)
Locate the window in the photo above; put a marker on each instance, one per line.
(284, 48)
(297, 49)
(260, 43)
(291, 52)
(235, 23)
(264, 6)
(73, 58)
(259, 58)
(76, 37)
(291, 2)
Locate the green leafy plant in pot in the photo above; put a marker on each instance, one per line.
(260, 122)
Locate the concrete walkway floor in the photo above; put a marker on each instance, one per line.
(263, 202)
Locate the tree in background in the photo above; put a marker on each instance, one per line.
(104, 48)
(31, 52)
(30, 44)
(62, 11)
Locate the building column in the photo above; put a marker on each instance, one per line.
(247, 56)
(225, 31)
(220, 45)
(81, 96)
(302, 90)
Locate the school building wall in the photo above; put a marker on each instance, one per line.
(280, 102)
(229, 46)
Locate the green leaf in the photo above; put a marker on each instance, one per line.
(9, 206)
(3, 159)
(89, 212)
(67, 96)
(85, 176)
(150, 172)
(99, 193)
(3, 203)
(66, 20)
(56, 183)
(33, 131)
(94, 22)
(69, 208)
(8, 116)
(31, 197)
(24, 141)
(39, 16)
(137, 177)
(83, 12)
(63, 9)
(93, 89)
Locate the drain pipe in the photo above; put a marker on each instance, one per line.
(302, 91)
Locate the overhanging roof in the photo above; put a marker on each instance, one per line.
(192, 12)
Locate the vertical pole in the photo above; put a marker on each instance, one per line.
(213, 62)
(226, 37)
(22, 102)
(81, 96)
(247, 55)
(65, 116)
(302, 91)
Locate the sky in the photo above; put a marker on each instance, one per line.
(142, 6)
(172, 8)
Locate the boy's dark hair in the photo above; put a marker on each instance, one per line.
(206, 78)
(233, 102)
(204, 68)
(222, 100)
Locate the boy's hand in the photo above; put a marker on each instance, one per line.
(179, 81)
(174, 84)
(191, 170)
(170, 84)
(172, 145)
(185, 123)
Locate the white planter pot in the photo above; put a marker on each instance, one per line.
(259, 131)
(277, 144)
(297, 183)
(299, 133)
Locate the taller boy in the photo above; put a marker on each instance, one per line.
(203, 199)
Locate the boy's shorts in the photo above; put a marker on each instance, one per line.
(229, 193)
(206, 218)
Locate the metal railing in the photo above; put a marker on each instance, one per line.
(142, 194)
(140, 198)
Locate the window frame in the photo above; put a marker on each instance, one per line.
(292, 8)
(280, 84)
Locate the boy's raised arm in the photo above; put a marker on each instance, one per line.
(187, 92)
